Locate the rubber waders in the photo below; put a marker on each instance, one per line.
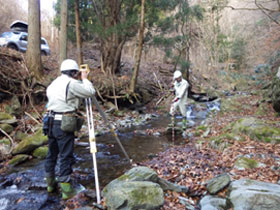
(184, 124)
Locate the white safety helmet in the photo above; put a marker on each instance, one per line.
(177, 74)
(69, 64)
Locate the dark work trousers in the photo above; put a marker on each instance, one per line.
(60, 144)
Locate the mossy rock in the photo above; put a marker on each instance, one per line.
(41, 152)
(30, 143)
(20, 135)
(7, 128)
(246, 163)
(18, 159)
(256, 129)
(135, 195)
(139, 173)
(5, 116)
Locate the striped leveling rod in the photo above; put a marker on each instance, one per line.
(173, 125)
(92, 142)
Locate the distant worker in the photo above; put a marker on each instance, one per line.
(181, 95)
(64, 95)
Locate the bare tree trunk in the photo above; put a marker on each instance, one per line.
(63, 32)
(139, 50)
(78, 33)
(33, 61)
(111, 46)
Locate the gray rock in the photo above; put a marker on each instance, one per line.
(246, 194)
(28, 199)
(120, 191)
(187, 203)
(166, 185)
(135, 195)
(212, 203)
(85, 208)
(142, 173)
(218, 183)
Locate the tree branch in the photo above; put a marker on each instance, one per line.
(10, 138)
(261, 8)
(264, 11)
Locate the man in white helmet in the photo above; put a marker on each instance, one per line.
(181, 95)
(64, 95)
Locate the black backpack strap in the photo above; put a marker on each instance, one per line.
(66, 92)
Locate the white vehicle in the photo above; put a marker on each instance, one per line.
(17, 39)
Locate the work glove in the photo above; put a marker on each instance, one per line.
(175, 100)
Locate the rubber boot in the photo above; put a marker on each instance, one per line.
(68, 191)
(51, 184)
(184, 124)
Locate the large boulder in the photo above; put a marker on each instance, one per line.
(138, 188)
(30, 143)
(142, 173)
(248, 194)
(135, 195)
(256, 129)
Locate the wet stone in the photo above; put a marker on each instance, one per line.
(25, 199)
(218, 183)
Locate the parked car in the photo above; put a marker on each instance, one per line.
(17, 40)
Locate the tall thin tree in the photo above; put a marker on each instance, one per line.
(63, 32)
(78, 33)
(139, 49)
(33, 60)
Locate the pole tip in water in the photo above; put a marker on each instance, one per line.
(97, 205)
